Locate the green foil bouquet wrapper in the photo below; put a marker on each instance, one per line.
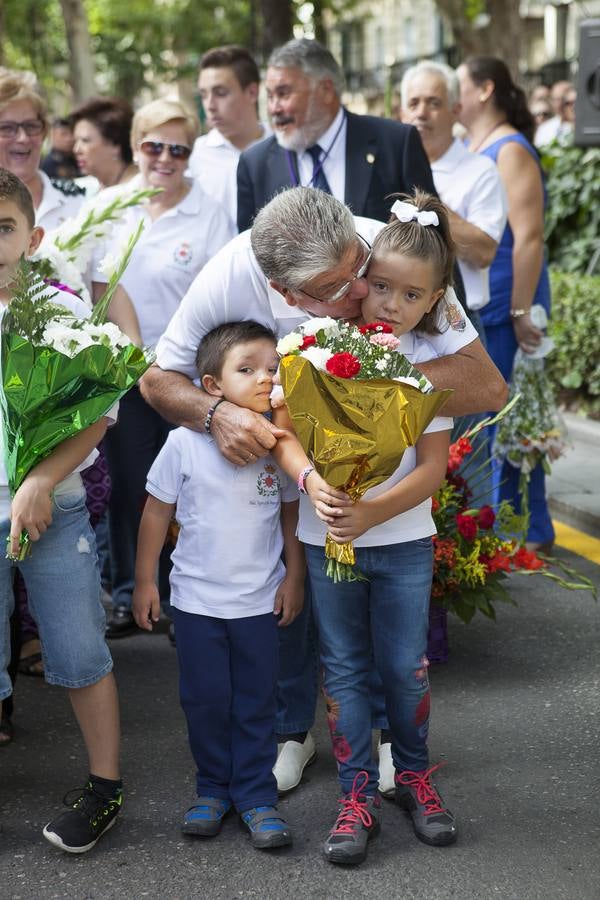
(46, 395)
(355, 432)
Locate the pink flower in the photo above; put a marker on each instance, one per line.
(389, 341)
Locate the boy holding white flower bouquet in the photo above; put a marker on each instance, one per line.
(61, 573)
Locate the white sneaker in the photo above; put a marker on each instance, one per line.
(387, 785)
(292, 759)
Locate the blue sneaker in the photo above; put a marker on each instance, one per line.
(206, 817)
(267, 828)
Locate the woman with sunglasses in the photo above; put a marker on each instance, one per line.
(183, 229)
(23, 127)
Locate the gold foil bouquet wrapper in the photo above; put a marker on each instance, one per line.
(354, 432)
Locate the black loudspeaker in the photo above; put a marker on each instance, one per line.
(587, 107)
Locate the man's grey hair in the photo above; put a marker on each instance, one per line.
(300, 234)
(430, 67)
(312, 58)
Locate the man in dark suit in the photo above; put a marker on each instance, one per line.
(316, 142)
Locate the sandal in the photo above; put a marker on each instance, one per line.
(30, 665)
(7, 731)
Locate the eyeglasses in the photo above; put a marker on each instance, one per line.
(31, 127)
(345, 288)
(568, 102)
(155, 148)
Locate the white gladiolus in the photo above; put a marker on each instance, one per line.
(108, 264)
(289, 343)
(408, 380)
(70, 340)
(317, 356)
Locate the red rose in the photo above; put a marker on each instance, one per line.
(309, 340)
(376, 328)
(467, 526)
(344, 365)
(486, 517)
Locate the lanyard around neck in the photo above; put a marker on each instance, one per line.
(294, 178)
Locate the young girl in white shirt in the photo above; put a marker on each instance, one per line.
(385, 618)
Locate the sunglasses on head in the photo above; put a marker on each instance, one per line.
(155, 148)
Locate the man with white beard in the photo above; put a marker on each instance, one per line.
(317, 143)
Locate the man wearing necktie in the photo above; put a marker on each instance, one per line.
(317, 143)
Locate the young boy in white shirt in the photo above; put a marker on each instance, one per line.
(61, 573)
(229, 589)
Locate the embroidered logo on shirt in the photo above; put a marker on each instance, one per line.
(454, 317)
(183, 254)
(267, 483)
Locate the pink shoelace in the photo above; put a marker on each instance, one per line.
(354, 807)
(427, 795)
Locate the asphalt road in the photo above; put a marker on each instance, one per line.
(515, 715)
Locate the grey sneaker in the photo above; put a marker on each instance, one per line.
(417, 794)
(356, 824)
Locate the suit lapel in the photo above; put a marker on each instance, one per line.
(278, 176)
(361, 152)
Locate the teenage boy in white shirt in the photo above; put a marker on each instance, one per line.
(228, 86)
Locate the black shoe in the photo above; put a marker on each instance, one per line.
(89, 815)
(121, 622)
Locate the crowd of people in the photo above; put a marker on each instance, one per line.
(198, 441)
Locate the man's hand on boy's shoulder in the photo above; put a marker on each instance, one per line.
(31, 510)
(289, 600)
(242, 436)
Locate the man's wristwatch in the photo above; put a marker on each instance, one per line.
(302, 478)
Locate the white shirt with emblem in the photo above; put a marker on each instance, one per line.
(227, 562)
(214, 162)
(168, 256)
(470, 185)
(56, 207)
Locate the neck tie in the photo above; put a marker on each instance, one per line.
(318, 175)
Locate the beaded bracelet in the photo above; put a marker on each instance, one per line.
(210, 414)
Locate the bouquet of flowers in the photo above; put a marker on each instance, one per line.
(65, 252)
(533, 431)
(356, 404)
(475, 548)
(60, 373)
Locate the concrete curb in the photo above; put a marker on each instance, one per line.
(573, 488)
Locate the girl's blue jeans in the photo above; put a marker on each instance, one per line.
(383, 620)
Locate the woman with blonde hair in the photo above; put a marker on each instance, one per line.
(184, 228)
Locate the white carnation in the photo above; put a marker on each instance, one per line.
(326, 324)
(317, 356)
(289, 343)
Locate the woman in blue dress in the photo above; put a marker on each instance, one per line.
(494, 111)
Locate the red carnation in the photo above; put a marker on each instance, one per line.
(486, 517)
(376, 328)
(467, 526)
(344, 365)
(309, 340)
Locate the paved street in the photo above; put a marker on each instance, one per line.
(515, 715)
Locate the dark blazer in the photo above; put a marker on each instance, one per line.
(382, 157)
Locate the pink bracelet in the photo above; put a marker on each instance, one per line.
(302, 478)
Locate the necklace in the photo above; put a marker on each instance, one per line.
(474, 149)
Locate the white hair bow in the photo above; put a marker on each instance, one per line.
(406, 212)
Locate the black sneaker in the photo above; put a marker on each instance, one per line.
(89, 815)
(121, 622)
(417, 794)
(356, 824)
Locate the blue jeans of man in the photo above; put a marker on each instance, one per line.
(385, 620)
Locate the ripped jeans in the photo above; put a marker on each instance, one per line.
(383, 621)
(63, 585)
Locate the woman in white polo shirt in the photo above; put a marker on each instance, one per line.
(184, 228)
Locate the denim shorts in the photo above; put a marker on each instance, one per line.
(63, 587)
